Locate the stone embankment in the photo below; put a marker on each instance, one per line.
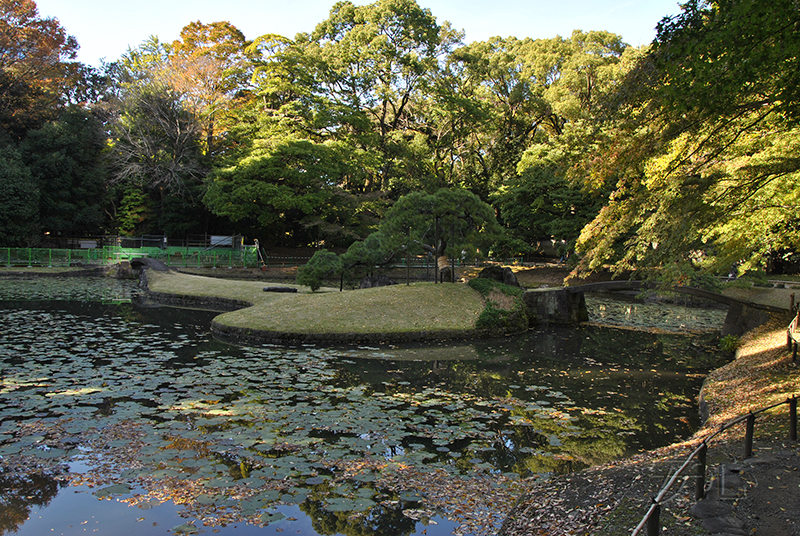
(190, 301)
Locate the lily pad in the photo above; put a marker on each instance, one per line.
(271, 517)
(186, 528)
(117, 489)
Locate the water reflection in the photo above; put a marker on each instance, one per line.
(146, 407)
(22, 491)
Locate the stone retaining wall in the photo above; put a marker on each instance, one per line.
(184, 300)
(555, 306)
(254, 336)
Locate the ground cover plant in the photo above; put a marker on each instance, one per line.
(504, 311)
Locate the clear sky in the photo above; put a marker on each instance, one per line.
(106, 28)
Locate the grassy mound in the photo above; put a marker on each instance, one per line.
(397, 309)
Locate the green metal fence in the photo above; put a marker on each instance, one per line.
(245, 257)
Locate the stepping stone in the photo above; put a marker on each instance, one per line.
(706, 509)
(716, 525)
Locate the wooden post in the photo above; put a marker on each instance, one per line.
(408, 266)
(700, 485)
(653, 522)
(748, 437)
(793, 418)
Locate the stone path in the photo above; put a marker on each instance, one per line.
(757, 496)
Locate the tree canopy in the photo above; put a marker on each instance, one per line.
(701, 151)
(450, 224)
(35, 59)
(382, 118)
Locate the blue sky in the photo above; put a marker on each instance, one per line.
(106, 28)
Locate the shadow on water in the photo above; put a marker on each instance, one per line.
(141, 407)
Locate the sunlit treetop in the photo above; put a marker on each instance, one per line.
(31, 45)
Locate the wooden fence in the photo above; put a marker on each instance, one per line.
(651, 521)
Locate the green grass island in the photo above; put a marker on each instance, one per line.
(419, 311)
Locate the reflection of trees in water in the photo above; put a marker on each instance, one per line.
(378, 521)
(18, 494)
(611, 392)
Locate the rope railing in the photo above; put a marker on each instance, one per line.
(651, 522)
(651, 518)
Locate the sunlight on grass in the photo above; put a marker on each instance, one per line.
(393, 309)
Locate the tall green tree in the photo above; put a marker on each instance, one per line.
(369, 64)
(701, 155)
(539, 203)
(19, 201)
(66, 159)
(288, 193)
(532, 91)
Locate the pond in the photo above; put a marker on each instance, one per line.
(119, 418)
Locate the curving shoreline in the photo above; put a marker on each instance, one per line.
(604, 500)
(244, 327)
(610, 499)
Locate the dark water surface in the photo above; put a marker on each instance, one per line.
(120, 419)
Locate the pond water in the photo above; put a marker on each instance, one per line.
(123, 419)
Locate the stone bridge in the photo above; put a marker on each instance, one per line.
(567, 305)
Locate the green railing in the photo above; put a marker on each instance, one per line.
(246, 257)
(52, 257)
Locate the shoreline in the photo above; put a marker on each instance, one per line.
(611, 499)
(244, 334)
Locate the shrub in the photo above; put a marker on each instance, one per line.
(495, 316)
(323, 264)
(729, 343)
(485, 287)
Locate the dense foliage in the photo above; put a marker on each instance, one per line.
(678, 153)
(504, 310)
(701, 154)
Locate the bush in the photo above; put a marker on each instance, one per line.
(322, 265)
(485, 287)
(757, 278)
(729, 343)
(494, 318)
